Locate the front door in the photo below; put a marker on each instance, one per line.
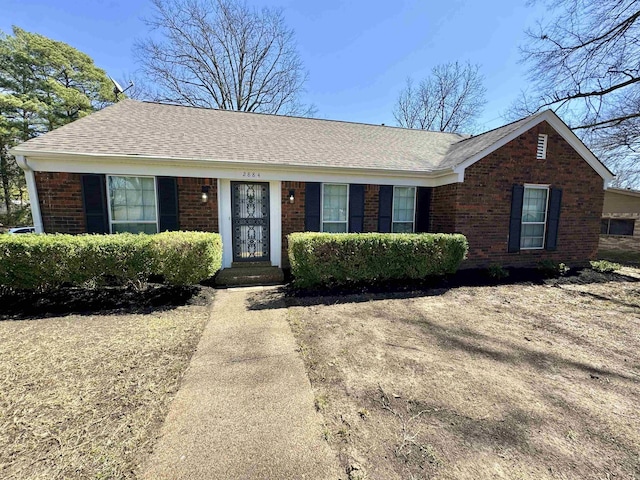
(250, 221)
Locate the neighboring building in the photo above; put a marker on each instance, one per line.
(620, 227)
(521, 193)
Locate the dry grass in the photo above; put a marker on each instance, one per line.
(84, 396)
(512, 382)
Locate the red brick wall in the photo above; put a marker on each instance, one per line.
(195, 215)
(292, 214)
(371, 204)
(60, 198)
(484, 201)
(443, 208)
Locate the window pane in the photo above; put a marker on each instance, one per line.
(534, 205)
(132, 199)
(604, 226)
(402, 227)
(621, 227)
(334, 227)
(532, 236)
(403, 204)
(134, 228)
(334, 203)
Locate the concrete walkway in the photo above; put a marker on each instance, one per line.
(245, 407)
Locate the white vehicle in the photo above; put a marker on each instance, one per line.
(16, 230)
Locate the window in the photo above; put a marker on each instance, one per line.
(616, 226)
(541, 153)
(335, 207)
(132, 204)
(404, 208)
(534, 217)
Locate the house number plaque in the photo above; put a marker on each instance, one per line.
(250, 174)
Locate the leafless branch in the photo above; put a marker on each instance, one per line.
(584, 63)
(450, 100)
(223, 54)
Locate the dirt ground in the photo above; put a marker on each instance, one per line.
(83, 396)
(517, 381)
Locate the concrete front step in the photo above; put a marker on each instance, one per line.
(250, 275)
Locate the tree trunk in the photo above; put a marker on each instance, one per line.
(4, 178)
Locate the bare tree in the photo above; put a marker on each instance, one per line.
(223, 54)
(584, 63)
(450, 100)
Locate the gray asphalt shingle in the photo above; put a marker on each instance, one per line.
(168, 131)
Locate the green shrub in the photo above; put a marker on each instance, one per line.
(339, 259)
(551, 269)
(605, 266)
(44, 262)
(186, 258)
(497, 271)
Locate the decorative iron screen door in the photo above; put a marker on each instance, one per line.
(250, 221)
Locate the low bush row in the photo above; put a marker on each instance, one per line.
(338, 259)
(43, 262)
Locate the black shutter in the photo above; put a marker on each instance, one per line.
(312, 207)
(516, 218)
(555, 199)
(356, 208)
(167, 203)
(94, 198)
(423, 202)
(385, 207)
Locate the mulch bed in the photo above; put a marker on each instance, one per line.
(26, 304)
(463, 278)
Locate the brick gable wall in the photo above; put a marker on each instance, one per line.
(483, 201)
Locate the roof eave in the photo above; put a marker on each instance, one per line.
(560, 127)
(225, 163)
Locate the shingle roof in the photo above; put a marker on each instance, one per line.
(133, 128)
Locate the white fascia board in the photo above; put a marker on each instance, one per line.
(135, 165)
(560, 127)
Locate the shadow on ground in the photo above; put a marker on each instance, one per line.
(21, 305)
(365, 292)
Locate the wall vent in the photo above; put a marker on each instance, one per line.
(542, 147)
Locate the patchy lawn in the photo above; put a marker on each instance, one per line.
(83, 396)
(516, 381)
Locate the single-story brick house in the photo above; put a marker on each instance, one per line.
(521, 193)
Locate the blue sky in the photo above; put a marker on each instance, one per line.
(358, 53)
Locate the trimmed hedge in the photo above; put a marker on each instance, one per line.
(44, 262)
(340, 259)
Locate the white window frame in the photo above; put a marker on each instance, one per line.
(546, 215)
(322, 222)
(415, 200)
(155, 193)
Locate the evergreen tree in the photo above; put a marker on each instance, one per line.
(44, 84)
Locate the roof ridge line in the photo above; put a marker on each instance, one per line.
(152, 102)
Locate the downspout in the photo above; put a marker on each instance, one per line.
(33, 192)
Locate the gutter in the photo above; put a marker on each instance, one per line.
(33, 192)
(227, 164)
